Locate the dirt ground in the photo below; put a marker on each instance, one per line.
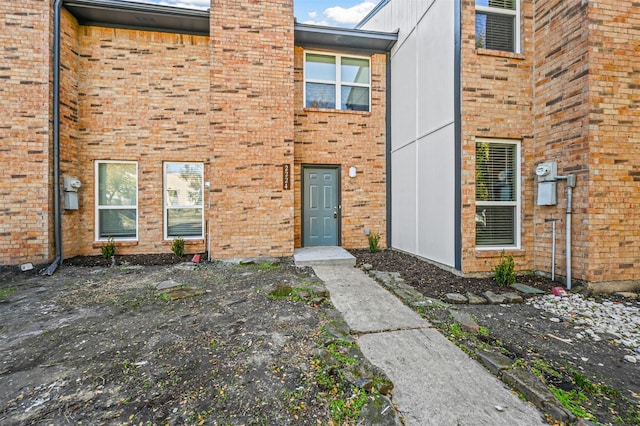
(594, 375)
(95, 344)
(101, 345)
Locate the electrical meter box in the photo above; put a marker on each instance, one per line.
(71, 186)
(547, 193)
(547, 183)
(547, 172)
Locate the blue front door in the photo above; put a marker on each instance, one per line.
(320, 207)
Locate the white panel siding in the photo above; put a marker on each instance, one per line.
(404, 96)
(422, 126)
(435, 191)
(403, 201)
(435, 62)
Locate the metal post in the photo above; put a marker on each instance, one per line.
(553, 250)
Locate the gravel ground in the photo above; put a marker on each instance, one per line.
(101, 345)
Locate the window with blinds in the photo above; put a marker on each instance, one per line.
(497, 200)
(183, 200)
(117, 200)
(497, 25)
(337, 82)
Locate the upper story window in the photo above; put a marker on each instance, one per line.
(498, 25)
(117, 200)
(497, 194)
(337, 82)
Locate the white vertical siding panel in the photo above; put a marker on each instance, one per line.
(422, 135)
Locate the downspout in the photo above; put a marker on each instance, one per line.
(388, 149)
(57, 212)
(457, 111)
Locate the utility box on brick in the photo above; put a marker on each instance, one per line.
(71, 186)
(547, 184)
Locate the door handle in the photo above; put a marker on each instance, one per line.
(335, 213)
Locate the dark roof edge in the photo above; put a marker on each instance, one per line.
(123, 14)
(132, 6)
(344, 38)
(370, 15)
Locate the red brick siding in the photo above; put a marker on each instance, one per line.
(26, 227)
(346, 138)
(251, 128)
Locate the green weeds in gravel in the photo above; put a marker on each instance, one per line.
(6, 292)
(573, 400)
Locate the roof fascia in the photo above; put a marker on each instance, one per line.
(139, 16)
(344, 39)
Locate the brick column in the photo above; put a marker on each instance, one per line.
(252, 127)
(26, 222)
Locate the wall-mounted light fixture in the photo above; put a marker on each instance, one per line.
(352, 171)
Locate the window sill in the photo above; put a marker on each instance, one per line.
(499, 53)
(187, 242)
(336, 111)
(98, 244)
(493, 252)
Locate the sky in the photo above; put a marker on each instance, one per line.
(334, 13)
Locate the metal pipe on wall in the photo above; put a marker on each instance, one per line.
(553, 247)
(571, 183)
(57, 212)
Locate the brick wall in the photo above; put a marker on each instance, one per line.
(613, 240)
(346, 138)
(497, 96)
(143, 97)
(26, 227)
(251, 100)
(561, 134)
(587, 121)
(69, 137)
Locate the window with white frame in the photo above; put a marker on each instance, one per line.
(337, 82)
(117, 200)
(183, 200)
(497, 194)
(498, 25)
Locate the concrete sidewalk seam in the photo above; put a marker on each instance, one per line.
(391, 330)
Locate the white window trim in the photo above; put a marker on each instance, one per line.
(517, 203)
(508, 12)
(338, 81)
(97, 202)
(166, 207)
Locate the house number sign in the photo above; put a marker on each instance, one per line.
(286, 176)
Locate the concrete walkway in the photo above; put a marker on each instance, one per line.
(435, 382)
